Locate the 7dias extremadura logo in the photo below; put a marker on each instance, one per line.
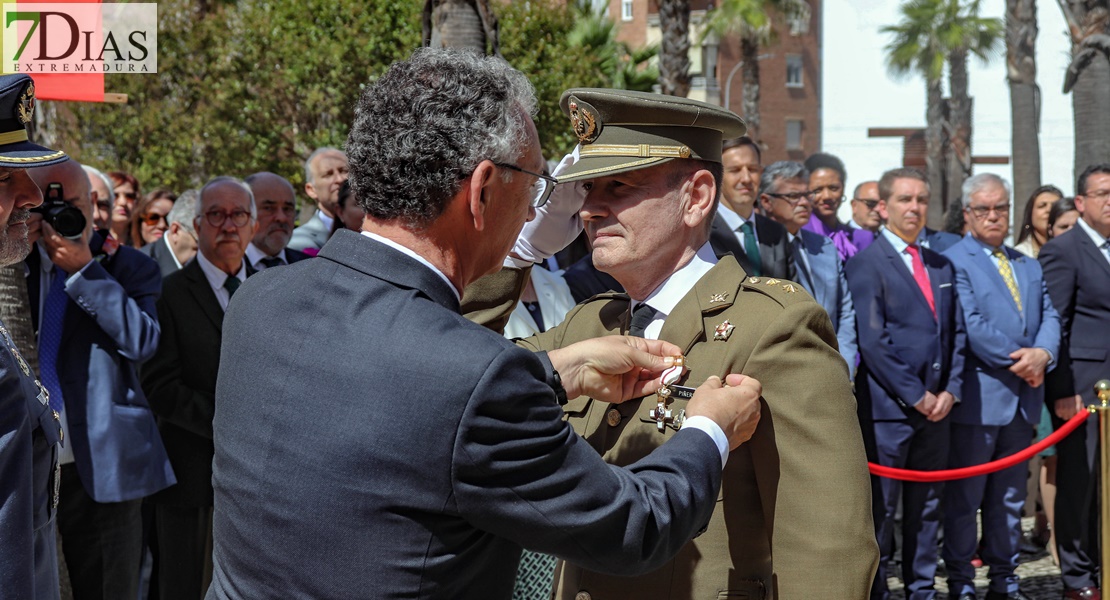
(79, 38)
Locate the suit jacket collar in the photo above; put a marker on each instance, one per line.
(202, 293)
(900, 267)
(978, 252)
(1083, 237)
(378, 260)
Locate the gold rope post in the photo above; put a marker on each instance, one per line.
(1102, 391)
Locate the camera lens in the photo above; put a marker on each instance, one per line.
(67, 221)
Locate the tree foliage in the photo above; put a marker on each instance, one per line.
(257, 85)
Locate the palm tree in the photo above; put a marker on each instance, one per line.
(931, 34)
(674, 55)
(623, 67)
(1088, 79)
(1021, 71)
(461, 24)
(751, 21)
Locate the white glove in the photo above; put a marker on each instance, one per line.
(557, 222)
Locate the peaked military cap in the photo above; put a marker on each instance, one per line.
(17, 108)
(621, 130)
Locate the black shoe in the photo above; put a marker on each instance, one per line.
(993, 595)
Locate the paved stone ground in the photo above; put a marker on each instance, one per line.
(1040, 578)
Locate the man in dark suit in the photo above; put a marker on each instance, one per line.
(179, 244)
(96, 322)
(421, 450)
(758, 243)
(277, 208)
(1077, 271)
(1013, 334)
(911, 342)
(29, 429)
(180, 381)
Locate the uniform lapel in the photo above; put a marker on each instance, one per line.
(715, 291)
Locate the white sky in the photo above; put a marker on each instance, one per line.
(859, 93)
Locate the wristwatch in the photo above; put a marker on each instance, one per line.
(557, 386)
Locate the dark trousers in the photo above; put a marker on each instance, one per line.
(1000, 494)
(184, 540)
(102, 542)
(916, 444)
(1077, 489)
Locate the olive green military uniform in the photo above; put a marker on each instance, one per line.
(794, 520)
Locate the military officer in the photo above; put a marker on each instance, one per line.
(645, 183)
(29, 427)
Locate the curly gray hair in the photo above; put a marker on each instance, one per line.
(423, 127)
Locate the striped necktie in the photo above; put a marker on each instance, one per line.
(1007, 274)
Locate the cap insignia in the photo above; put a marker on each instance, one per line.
(583, 121)
(26, 107)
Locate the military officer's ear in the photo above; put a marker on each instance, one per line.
(700, 193)
(479, 190)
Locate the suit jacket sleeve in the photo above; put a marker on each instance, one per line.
(171, 397)
(521, 472)
(959, 354)
(876, 347)
(127, 314)
(1061, 276)
(989, 345)
(1048, 336)
(846, 328)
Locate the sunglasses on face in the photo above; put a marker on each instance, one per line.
(152, 219)
(870, 204)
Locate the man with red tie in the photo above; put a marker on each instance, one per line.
(911, 340)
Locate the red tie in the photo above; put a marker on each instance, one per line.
(921, 277)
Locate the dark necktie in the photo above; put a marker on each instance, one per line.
(921, 277)
(751, 248)
(641, 318)
(231, 284)
(50, 337)
(271, 261)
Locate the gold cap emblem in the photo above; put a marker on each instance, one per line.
(583, 120)
(26, 107)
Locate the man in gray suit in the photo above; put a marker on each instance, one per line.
(324, 171)
(384, 446)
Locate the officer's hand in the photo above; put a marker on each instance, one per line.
(66, 254)
(613, 368)
(557, 222)
(735, 409)
(1069, 406)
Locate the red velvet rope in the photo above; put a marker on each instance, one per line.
(983, 469)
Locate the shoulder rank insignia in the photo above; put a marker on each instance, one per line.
(719, 297)
(753, 280)
(723, 331)
(771, 281)
(790, 288)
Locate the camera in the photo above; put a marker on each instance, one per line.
(67, 220)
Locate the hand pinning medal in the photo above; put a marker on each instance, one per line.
(661, 414)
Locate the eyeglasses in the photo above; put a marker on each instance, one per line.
(870, 204)
(1097, 194)
(152, 219)
(541, 190)
(982, 211)
(794, 198)
(216, 218)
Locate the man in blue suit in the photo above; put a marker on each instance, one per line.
(911, 342)
(784, 192)
(95, 315)
(29, 429)
(1013, 334)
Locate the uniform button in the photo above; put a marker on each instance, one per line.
(583, 596)
(613, 417)
(936, 366)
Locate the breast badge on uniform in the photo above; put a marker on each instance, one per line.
(722, 332)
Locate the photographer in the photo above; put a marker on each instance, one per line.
(93, 307)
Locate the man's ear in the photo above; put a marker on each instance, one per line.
(478, 190)
(310, 190)
(701, 192)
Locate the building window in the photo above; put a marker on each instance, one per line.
(626, 10)
(793, 71)
(793, 134)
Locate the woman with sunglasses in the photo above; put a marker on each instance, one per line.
(148, 219)
(826, 183)
(126, 188)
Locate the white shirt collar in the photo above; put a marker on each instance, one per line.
(255, 256)
(674, 288)
(899, 244)
(166, 242)
(732, 218)
(216, 276)
(408, 252)
(329, 222)
(1095, 236)
(856, 224)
